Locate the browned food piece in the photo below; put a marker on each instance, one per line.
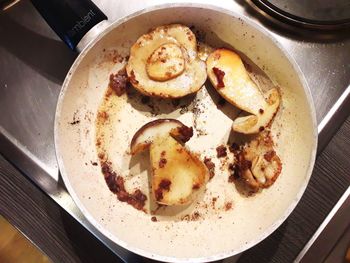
(230, 78)
(118, 82)
(221, 151)
(211, 167)
(164, 63)
(116, 184)
(257, 164)
(180, 175)
(182, 133)
(148, 132)
(177, 173)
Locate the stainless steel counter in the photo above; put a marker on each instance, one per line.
(34, 62)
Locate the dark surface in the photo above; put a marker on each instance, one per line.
(47, 225)
(334, 239)
(310, 14)
(71, 20)
(320, 10)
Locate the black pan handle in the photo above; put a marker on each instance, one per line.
(70, 19)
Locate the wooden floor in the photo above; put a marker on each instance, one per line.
(15, 248)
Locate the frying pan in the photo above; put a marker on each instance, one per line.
(217, 232)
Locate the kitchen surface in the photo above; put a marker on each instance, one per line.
(14, 247)
(33, 198)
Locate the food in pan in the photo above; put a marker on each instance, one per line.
(257, 164)
(164, 63)
(177, 173)
(159, 128)
(228, 75)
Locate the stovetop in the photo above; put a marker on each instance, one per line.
(321, 14)
(34, 63)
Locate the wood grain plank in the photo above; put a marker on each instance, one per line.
(47, 225)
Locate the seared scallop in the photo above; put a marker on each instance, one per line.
(228, 75)
(164, 63)
(177, 173)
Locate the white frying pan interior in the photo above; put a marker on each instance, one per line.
(218, 233)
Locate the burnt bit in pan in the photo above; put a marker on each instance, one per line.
(118, 82)
(221, 151)
(116, 185)
(75, 120)
(211, 167)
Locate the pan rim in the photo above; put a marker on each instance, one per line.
(145, 253)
